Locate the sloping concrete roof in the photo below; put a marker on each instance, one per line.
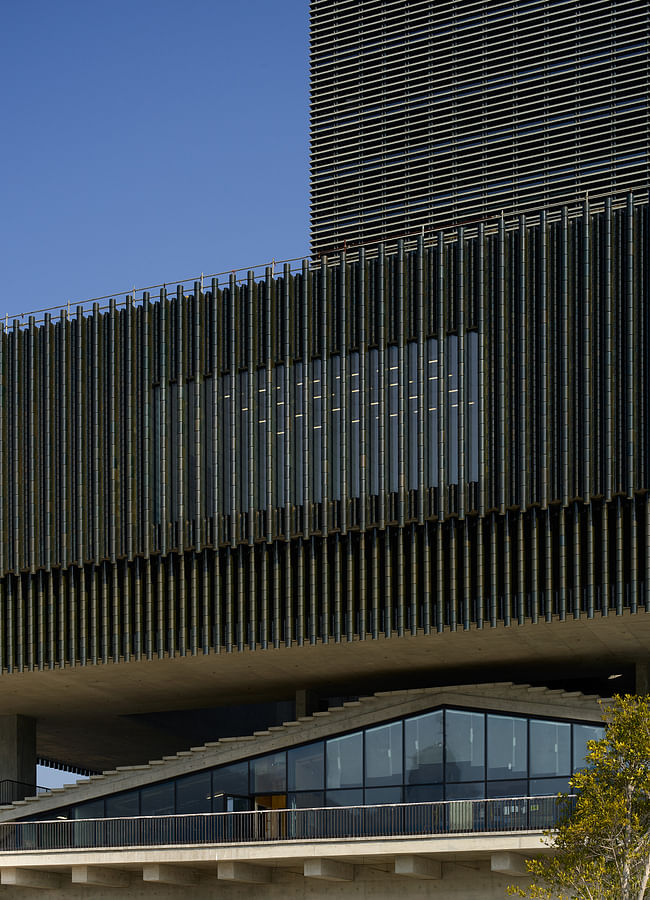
(504, 697)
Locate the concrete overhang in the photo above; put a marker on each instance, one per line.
(85, 714)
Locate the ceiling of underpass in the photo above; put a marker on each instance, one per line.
(124, 714)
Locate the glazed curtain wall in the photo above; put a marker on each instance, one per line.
(450, 434)
(450, 754)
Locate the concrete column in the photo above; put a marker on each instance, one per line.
(328, 870)
(418, 867)
(30, 878)
(242, 871)
(17, 752)
(163, 873)
(642, 676)
(100, 876)
(306, 703)
(506, 863)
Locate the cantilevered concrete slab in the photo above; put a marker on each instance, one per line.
(81, 711)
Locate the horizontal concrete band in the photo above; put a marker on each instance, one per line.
(278, 853)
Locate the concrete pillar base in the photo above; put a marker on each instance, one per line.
(17, 757)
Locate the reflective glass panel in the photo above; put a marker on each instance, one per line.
(373, 419)
(306, 768)
(345, 761)
(582, 734)
(392, 431)
(413, 391)
(231, 780)
(157, 799)
(423, 749)
(384, 755)
(452, 407)
(94, 809)
(194, 793)
(471, 425)
(123, 805)
(550, 744)
(355, 415)
(307, 800)
(470, 791)
(431, 411)
(465, 745)
(540, 787)
(268, 774)
(238, 804)
(507, 747)
(423, 793)
(384, 795)
(508, 788)
(344, 798)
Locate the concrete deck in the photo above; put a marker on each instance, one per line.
(464, 865)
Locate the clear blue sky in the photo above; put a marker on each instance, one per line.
(148, 140)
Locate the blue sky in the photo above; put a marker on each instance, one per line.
(148, 141)
(144, 142)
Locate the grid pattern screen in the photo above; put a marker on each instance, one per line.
(426, 114)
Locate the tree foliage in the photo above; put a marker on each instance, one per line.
(601, 848)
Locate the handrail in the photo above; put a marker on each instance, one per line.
(512, 814)
(449, 231)
(11, 790)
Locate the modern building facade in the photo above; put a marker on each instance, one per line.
(430, 114)
(343, 803)
(316, 480)
(246, 526)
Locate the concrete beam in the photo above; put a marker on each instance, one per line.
(306, 703)
(18, 751)
(505, 863)
(244, 872)
(328, 870)
(162, 873)
(418, 867)
(30, 878)
(642, 676)
(100, 876)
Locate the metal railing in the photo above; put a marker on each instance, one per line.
(331, 823)
(17, 790)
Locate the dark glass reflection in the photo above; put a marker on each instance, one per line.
(550, 744)
(94, 809)
(507, 745)
(384, 795)
(423, 748)
(582, 734)
(123, 805)
(157, 799)
(345, 761)
(384, 755)
(307, 800)
(545, 787)
(344, 798)
(465, 746)
(508, 788)
(306, 767)
(268, 774)
(423, 793)
(194, 793)
(468, 791)
(231, 779)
